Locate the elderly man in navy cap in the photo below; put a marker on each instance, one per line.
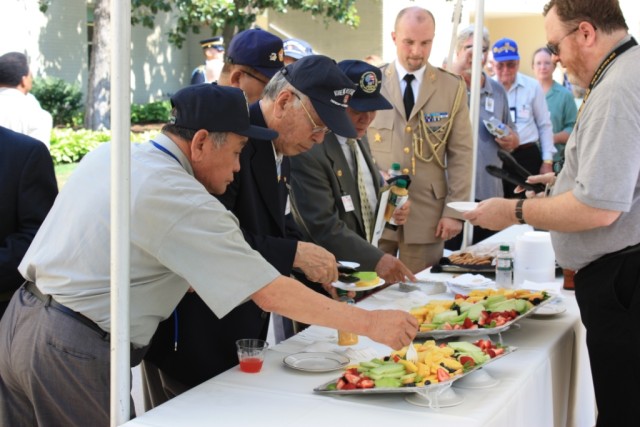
(54, 337)
(302, 105)
(253, 57)
(213, 50)
(295, 49)
(529, 112)
(336, 184)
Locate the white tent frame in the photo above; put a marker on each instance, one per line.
(121, 189)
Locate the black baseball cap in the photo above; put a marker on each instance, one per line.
(216, 109)
(258, 49)
(328, 88)
(368, 80)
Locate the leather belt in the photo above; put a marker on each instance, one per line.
(50, 302)
(526, 146)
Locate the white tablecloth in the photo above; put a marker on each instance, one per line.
(546, 382)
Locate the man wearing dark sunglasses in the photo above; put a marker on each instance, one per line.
(529, 112)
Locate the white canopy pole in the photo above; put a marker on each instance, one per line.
(474, 106)
(120, 208)
(455, 19)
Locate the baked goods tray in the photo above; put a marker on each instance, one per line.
(439, 333)
(426, 388)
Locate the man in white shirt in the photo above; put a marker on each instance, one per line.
(20, 111)
(529, 112)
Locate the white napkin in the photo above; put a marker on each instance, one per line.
(471, 281)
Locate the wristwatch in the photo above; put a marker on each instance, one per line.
(519, 215)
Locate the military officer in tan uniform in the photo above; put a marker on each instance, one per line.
(432, 141)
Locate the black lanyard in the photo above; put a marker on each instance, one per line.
(603, 66)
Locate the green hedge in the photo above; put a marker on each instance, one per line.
(153, 112)
(71, 145)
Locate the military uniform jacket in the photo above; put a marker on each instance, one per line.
(321, 177)
(391, 138)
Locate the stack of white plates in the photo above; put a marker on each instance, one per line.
(466, 283)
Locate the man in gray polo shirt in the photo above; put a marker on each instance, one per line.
(54, 337)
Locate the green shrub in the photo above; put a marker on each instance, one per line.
(63, 100)
(70, 146)
(153, 112)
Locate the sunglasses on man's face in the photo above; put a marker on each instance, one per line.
(506, 64)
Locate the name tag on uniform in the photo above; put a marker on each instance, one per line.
(287, 208)
(488, 104)
(347, 203)
(435, 117)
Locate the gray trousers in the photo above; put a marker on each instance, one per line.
(54, 370)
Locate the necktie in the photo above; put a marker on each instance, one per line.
(407, 98)
(365, 206)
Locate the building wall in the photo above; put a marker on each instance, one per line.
(333, 39)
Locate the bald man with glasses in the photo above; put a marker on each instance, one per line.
(529, 112)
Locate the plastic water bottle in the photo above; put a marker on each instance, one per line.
(504, 268)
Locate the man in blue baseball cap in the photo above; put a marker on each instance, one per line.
(295, 49)
(213, 50)
(302, 102)
(336, 184)
(253, 57)
(529, 112)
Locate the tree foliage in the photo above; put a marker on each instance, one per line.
(229, 16)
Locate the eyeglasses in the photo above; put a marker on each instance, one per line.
(485, 49)
(554, 48)
(506, 64)
(255, 77)
(316, 128)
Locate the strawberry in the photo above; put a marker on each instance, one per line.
(340, 384)
(468, 324)
(498, 351)
(351, 379)
(365, 383)
(491, 352)
(442, 374)
(349, 386)
(467, 361)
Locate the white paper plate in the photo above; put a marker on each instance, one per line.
(463, 206)
(353, 287)
(316, 362)
(550, 309)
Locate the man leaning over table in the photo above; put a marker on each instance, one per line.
(296, 103)
(429, 133)
(594, 210)
(325, 184)
(54, 337)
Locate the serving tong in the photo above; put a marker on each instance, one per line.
(513, 172)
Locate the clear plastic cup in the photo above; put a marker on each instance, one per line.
(251, 354)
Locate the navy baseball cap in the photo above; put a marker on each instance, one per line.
(297, 48)
(216, 109)
(368, 80)
(505, 50)
(258, 49)
(214, 42)
(328, 88)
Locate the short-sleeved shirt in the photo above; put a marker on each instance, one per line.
(493, 103)
(602, 166)
(181, 236)
(23, 113)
